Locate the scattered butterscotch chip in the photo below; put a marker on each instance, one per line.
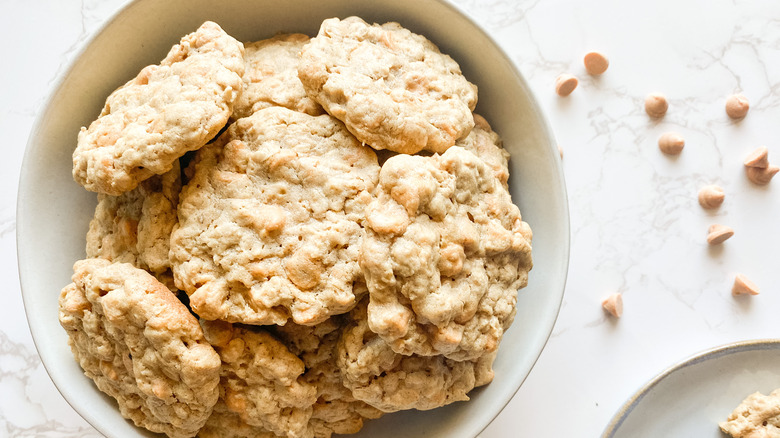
(758, 158)
(761, 175)
(613, 304)
(671, 143)
(656, 105)
(737, 106)
(565, 84)
(718, 234)
(743, 286)
(560, 151)
(595, 63)
(711, 196)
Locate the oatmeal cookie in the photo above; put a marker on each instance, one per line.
(392, 382)
(444, 255)
(758, 416)
(271, 77)
(165, 111)
(270, 224)
(135, 227)
(141, 346)
(261, 383)
(392, 88)
(336, 410)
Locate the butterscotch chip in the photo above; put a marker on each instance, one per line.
(165, 111)
(391, 382)
(743, 286)
(392, 88)
(758, 158)
(261, 384)
(141, 346)
(656, 105)
(761, 175)
(718, 234)
(565, 84)
(595, 63)
(671, 143)
(271, 77)
(614, 304)
(444, 255)
(711, 196)
(756, 417)
(737, 106)
(270, 224)
(135, 227)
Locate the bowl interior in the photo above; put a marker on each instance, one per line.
(54, 212)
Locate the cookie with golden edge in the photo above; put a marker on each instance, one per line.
(165, 111)
(141, 346)
(271, 223)
(392, 88)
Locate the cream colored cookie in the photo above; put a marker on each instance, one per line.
(391, 382)
(758, 416)
(135, 227)
(141, 346)
(270, 225)
(261, 382)
(444, 256)
(336, 410)
(165, 111)
(392, 88)
(271, 77)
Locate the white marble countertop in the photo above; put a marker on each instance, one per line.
(636, 225)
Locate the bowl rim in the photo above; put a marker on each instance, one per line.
(115, 15)
(633, 401)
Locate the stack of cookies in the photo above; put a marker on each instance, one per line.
(293, 235)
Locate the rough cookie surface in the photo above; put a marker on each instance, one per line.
(165, 111)
(392, 88)
(336, 410)
(261, 384)
(392, 382)
(270, 224)
(271, 77)
(135, 227)
(141, 346)
(444, 256)
(758, 416)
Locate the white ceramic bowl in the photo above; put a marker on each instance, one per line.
(54, 212)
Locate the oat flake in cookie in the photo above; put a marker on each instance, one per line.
(165, 111)
(392, 88)
(444, 256)
(271, 77)
(270, 224)
(141, 346)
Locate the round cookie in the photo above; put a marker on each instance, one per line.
(270, 224)
(141, 346)
(444, 255)
(135, 227)
(392, 382)
(165, 111)
(392, 88)
(261, 384)
(271, 77)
